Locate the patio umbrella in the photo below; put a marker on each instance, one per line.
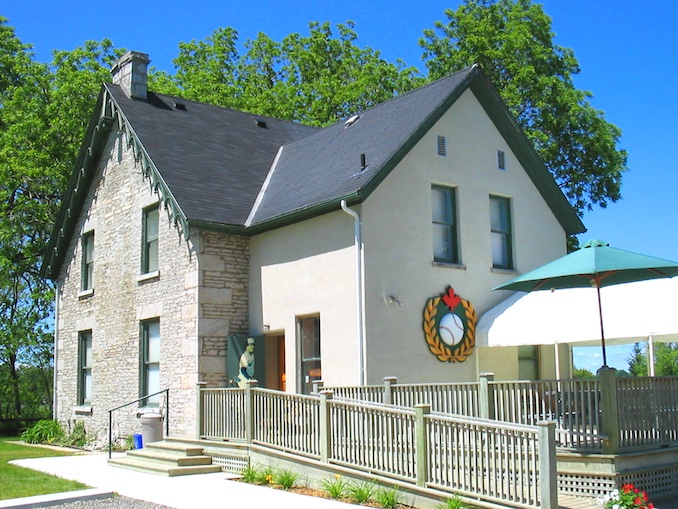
(596, 264)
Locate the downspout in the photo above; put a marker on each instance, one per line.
(56, 349)
(362, 368)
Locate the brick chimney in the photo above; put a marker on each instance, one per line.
(130, 73)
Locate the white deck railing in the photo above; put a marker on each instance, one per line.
(640, 412)
(479, 458)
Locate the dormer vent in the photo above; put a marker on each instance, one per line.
(261, 123)
(352, 120)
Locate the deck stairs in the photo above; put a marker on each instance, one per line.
(167, 458)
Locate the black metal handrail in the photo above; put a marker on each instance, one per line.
(110, 416)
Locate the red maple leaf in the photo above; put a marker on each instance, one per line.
(452, 300)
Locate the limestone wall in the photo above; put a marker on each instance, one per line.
(199, 295)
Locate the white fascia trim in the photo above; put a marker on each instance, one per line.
(264, 187)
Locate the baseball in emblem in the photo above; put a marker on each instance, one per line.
(451, 329)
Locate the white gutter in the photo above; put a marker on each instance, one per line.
(362, 368)
(56, 349)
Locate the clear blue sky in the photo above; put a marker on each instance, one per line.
(626, 50)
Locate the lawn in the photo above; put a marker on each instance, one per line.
(23, 482)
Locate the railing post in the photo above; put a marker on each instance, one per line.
(249, 409)
(486, 396)
(389, 382)
(199, 409)
(317, 386)
(609, 409)
(325, 426)
(548, 471)
(420, 411)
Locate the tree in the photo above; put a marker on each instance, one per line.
(665, 360)
(512, 41)
(43, 116)
(316, 79)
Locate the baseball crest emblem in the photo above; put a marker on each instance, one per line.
(450, 327)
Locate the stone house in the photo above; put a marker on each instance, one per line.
(187, 227)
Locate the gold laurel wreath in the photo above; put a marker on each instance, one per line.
(437, 347)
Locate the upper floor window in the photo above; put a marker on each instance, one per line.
(87, 261)
(85, 368)
(500, 226)
(149, 255)
(445, 239)
(150, 361)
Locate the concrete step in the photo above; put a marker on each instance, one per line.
(170, 470)
(165, 458)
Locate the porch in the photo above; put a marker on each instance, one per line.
(518, 443)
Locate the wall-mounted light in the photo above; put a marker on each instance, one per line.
(267, 328)
(391, 299)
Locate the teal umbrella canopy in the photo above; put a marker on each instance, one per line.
(595, 264)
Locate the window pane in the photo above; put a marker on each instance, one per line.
(87, 346)
(152, 224)
(153, 382)
(500, 256)
(152, 256)
(87, 387)
(440, 205)
(310, 337)
(499, 214)
(153, 347)
(442, 242)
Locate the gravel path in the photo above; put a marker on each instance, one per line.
(114, 502)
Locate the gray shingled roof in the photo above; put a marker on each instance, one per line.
(213, 159)
(326, 166)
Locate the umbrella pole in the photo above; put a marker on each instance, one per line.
(602, 330)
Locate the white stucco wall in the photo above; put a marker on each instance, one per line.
(304, 270)
(399, 248)
(309, 268)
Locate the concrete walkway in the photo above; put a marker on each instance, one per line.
(206, 491)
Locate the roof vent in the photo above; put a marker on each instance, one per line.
(180, 106)
(261, 123)
(363, 162)
(351, 120)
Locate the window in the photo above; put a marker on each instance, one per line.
(150, 361)
(445, 242)
(528, 362)
(500, 225)
(87, 261)
(309, 341)
(149, 258)
(85, 368)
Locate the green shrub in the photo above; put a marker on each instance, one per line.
(250, 474)
(389, 498)
(45, 431)
(335, 488)
(361, 492)
(286, 478)
(453, 502)
(78, 435)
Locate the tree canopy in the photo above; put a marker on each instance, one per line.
(665, 360)
(44, 110)
(316, 79)
(513, 42)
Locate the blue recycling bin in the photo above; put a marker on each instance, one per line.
(138, 441)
